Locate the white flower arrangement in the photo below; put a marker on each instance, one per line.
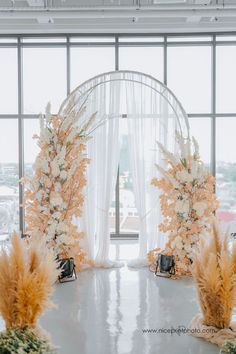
(188, 201)
(55, 194)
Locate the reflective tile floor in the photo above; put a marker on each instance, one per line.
(106, 311)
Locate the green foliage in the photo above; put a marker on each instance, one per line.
(23, 341)
(229, 348)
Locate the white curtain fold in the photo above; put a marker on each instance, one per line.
(107, 167)
(143, 131)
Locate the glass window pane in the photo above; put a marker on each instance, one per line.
(8, 82)
(44, 78)
(141, 39)
(43, 39)
(226, 169)
(226, 38)
(9, 178)
(148, 60)
(197, 126)
(225, 79)
(8, 40)
(87, 39)
(129, 221)
(112, 214)
(31, 149)
(189, 39)
(189, 77)
(89, 62)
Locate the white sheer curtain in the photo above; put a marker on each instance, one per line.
(144, 129)
(107, 161)
(103, 151)
(153, 113)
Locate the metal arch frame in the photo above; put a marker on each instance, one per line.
(116, 44)
(161, 93)
(84, 94)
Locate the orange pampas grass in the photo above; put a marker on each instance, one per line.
(214, 275)
(188, 203)
(54, 197)
(27, 277)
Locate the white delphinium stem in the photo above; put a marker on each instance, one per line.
(89, 123)
(180, 141)
(188, 148)
(168, 155)
(196, 147)
(168, 176)
(48, 114)
(72, 119)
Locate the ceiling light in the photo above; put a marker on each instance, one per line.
(35, 2)
(163, 2)
(44, 20)
(202, 2)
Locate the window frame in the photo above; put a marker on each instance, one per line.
(167, 40)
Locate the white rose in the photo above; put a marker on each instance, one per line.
(46, 136)
(188, 248)
(184, 176)
(182, 206)
(56, 215)
(62, 227)
(44, 165)
(179, 245)
(55, 168)
(62, 153)
(35, 185)
(65, 239)
(178, 239)
(60, 161)
(200, 208)
(52, 229)
(63, 174)
(56, 201)
(195, 169)
(39, 196)
(57, 187)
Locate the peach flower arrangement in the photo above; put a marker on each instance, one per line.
(54, 196)
(188, 202)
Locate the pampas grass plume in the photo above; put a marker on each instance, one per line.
(28, 273)
(213, 270)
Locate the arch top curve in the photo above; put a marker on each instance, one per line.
(86, 92)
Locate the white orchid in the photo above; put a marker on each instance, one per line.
(39, 195)
(56, 201)
(200, 208)
(57, 187)
(55, 169)
(182, 206)
(184, 176)
(62, 227)
(63, 175)
(56, 215)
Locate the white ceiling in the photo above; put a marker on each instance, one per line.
(117, 16)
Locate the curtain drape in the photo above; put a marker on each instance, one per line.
(103, 152)
(146, 125)
(152, 113)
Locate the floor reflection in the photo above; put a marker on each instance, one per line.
(106, 310)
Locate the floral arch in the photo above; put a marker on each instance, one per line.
(152, 112)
